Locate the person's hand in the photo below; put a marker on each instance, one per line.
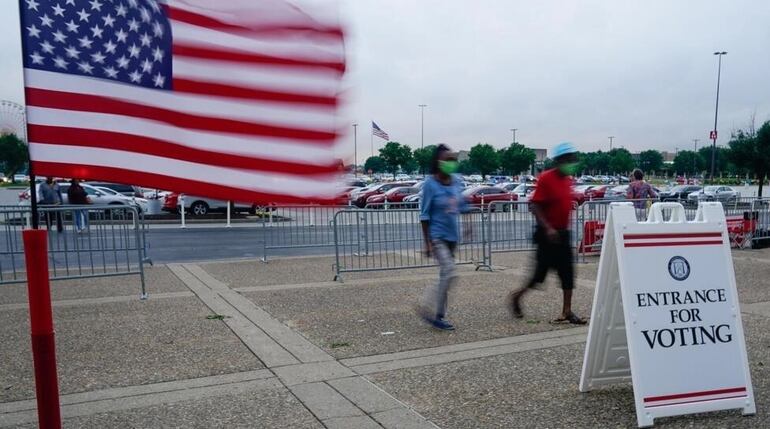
(552, 235)
(428, 249)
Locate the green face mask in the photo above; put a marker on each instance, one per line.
(569, 169)
(448, 167)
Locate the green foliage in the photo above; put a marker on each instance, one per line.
(688, 162)
(650, 160)
(516, 159)
(752, 151)
(721, 159)
(375, 164)
(621, 161)
(14, 155)
(484, 158)
(466, 167)
(423, 157)
(395, 155)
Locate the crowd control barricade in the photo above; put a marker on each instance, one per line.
(377, 240)
(299, 226)
(509, 227)
(760, 209)
(93, 241)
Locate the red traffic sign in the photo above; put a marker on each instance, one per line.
(713, 135)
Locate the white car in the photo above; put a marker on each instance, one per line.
(97, 196)
(140, 202)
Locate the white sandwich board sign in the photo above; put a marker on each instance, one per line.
(666, 314)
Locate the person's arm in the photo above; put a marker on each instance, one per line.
(550, 231)
(630, 192)
(425, 205)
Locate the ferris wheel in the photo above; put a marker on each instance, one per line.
(12, 119)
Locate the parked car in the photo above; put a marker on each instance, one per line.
(616, 193)
(723, 194)
(487, 194)
(96, 195)
(20, 178)
(597, 192)
(359, 198)
(127, 190)
(142, 203)
(201, 206)
(680, 192)
(413, 200)
(579, 193)
(524, 191)
(395, 195)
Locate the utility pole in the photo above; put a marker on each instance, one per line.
(611, 138)
(422, 124)
(716, 115)
(694, 166)
(514, 134)
(355, 149)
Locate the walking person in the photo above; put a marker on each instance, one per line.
(440, 206)
(639, 190)
(551, 204)
(50, 196)
(77, 196)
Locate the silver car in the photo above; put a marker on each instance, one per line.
(723, 194)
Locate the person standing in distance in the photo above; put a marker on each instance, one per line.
(49, 194)
(551, 204)
(441, 203)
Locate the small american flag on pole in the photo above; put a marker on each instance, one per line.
(378, 132)
(232, 99)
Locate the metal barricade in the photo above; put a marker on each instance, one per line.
(760, 209)
(510, 226)
(376, 240)
(93, 241)
(300, 226)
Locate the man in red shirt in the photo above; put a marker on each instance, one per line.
(551, 204)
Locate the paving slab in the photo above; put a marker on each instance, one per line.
(311, 372)
(360, 320)
(358, 422)
(324, 402)
(123, 344)
(158, 279)
(274, 408)
(539, 389)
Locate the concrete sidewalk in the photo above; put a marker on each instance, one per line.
(278, 345)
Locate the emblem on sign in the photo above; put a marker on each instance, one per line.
(679, 268)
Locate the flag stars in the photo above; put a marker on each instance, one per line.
(133, 25)
(145, 14)
(95, 5)
(133, 4)
(46, 47)
(86, 68)
(157, 29)
(135, 76)
(98, 57)
(72, 2)
(159, 80)
(32, 4)
(60, 37)
(72, 52)
(36, 58)
(147, 66)
(123, 62)
(109, 47)
(60, 63)
(109, 21)
(58, 10)
(72, 27)
(133, 51)
(85, 42)
(110, 72)
(121, 35)
(120, 10)
(46, 21)
(33, 31)
(157, 54)
(146, 40)
(83, 15)
(154, 5)
(96, 31)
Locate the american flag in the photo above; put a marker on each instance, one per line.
(378, 132)
(233, 99)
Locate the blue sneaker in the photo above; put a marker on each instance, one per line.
(442, 324)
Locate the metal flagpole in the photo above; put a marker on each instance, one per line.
(371, 136)
(355, 150)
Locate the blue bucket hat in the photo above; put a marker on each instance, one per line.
(563, 148)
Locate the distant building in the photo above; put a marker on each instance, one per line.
(668, 157)
(463, 155)
(540, 155)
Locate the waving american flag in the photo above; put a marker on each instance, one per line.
(232, 99)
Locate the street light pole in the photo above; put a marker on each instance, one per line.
(422, 125)
(716, 115)
(611, 138)
(694, 167)
(514, 134)
(355, 150)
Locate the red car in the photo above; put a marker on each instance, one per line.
(361, 197)
(395, 195)
(579, 194)
(597, 192)
(488, 194)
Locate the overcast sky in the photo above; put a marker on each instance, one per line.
(642, 71)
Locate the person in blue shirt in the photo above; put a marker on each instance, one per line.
(440, 206)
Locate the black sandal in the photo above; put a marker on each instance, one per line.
(515, 306)
(571, 318)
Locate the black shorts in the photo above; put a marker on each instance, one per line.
(554, 255)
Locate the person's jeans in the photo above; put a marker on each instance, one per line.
(49, 217)
(436, 296)
(81, 219)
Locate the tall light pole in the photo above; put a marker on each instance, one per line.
(611, 138)
(355, 149)
(716, 115)
(513, 130)
(695, 146)
(422, 125)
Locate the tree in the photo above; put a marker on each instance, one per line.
(688, 162)
(375, 164)
(395, 155)
(13, 154)
(484, 158)
(516, 158)
(650, 160)
(466, 168)
(721, 159)
(751, 150)
(411, 166)
(621, 161)
(423, 156)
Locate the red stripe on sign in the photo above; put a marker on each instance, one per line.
(281, 30)
(672, 243)
(221, 90)
(97, 104)
(151, 180)
(682, 235)
(693, 402)
(694, 394)
(183, 50)
(150, 146)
